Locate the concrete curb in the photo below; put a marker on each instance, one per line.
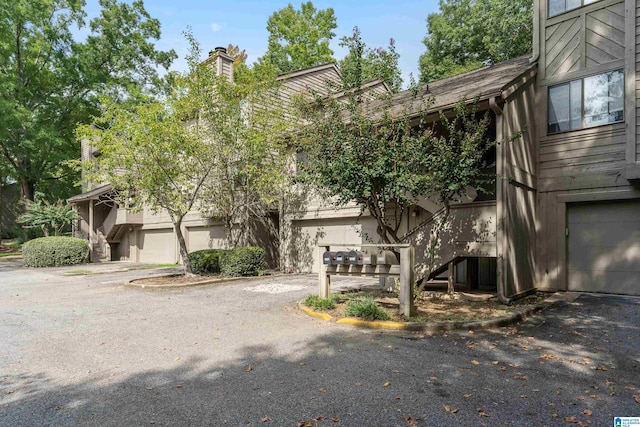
(556, 299)
(218, 280)
(117, 270)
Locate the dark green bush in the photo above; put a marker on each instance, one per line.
(247, 261)
(206, 261)
(55, 251)
(366, 308)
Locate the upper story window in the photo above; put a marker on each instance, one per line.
(592, 101)
(558, 6)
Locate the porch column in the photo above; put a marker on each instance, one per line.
(90, 221)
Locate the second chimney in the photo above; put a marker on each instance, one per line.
(224, 62)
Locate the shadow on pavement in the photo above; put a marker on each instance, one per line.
(578, 361)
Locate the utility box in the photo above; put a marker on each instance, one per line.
(387, 258)
(342, 258)
(355, 258)
(329, 258)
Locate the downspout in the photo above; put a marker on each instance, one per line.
(535, 54)
(500, 279)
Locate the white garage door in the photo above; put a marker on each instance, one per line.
(604, 247)
(212, 237)
(157, 246)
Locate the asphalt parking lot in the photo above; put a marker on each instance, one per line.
(86, 350)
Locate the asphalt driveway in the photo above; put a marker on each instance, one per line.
(85, 350)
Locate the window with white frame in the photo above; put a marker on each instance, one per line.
(591, 101)
(556, 7)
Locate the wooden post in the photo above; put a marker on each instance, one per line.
(450, 280)
(407, 278)
(91, 230)
(324, 281)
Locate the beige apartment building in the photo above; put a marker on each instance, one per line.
(565, 213)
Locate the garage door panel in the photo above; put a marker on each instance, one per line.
(213, 237)
(611, 236)
(157, 246)
(612, 212)
(616, 282)
(604, 247)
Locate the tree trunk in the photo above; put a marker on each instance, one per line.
(27, 189)
(177, 227)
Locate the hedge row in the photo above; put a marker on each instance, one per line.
(54, 251)
(246, 261)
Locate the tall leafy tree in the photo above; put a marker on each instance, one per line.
(374, 64)
(207, 145)
(467, 34)
(299, 38)
(49, 82)
(384, 154)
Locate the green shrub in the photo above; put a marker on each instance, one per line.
(366, 308)
(206, 261)
(55, 251)
(321, 303)
(247, 261)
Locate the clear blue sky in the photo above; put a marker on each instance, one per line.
(243, 22)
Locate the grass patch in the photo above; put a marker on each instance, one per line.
(13, 253)
(366, 308)
(10, 248)
(318, 303)
(79, 272)
(144, 267)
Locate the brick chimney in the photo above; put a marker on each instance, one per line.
(223, 62)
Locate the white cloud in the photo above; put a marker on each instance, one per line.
(216, 27)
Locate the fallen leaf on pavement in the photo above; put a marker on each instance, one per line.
(601, 368)
(149, 388)
(335, 420)
(636, 398)
(475, 362)
(248, 368)
(322, 390)
(358, 384)
(305, 424)
(411, 422)
(466, 396)
(265, 419)
(573, 420)
(450, 409)
(387, 384)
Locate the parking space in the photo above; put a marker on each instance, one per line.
(79, 351)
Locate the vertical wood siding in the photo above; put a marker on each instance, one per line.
(519, 191)
(637, 78)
